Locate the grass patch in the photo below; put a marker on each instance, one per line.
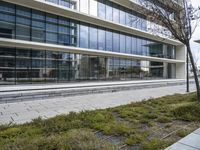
(188, 112)
(80, 139)
(164, 119)
(136, 138)
(182, 133)
(156, 144)
(140, 124)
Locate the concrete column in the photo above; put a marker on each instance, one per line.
(165, 70)
(173, 71)
(181, 67)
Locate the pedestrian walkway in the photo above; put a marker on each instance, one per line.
(11, 88)
(18, 93)
(190, 142)
(21, 112)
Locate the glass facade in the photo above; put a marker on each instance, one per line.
(27, 24)
(107, 10)
(22, 66)
(66, 3)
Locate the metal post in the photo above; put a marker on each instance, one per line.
(187, 59)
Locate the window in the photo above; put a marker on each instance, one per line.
(7, 7)
(116, 42)
(139, 23)
(116, 14)
(144, 47)
(109, 11)
(144, 24)
(64, 29)
(63, 39)
(23, 22)
(101, 39)
(38, 15)
(93, 38)
(63, 21)
(134, 45)
(7, 52)
(38, 54)
(23, 65)
(139, 46)
(171, 50)
(7, 12)
(51, 27)
(22, 60)
(109, 41)
(51, 37)
(22, 11)
(122, 17)
(51, 18)
(53, 1)
(7, 17)
(38, 26)
(84, 36)
(22, 32)
(65, 3)
(128, 44)
(7, 30)
(130, 19)
(122, 43)
(101, 9)
(134, 20)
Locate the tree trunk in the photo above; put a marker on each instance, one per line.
(194, 70)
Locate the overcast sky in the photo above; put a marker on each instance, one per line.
(196, 36)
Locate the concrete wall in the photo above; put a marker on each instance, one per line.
(181, 67)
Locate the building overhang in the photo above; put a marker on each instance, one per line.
(69, 13)
(53, 47)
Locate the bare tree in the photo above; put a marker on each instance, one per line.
(176, 17)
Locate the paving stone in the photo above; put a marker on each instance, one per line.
(26, 116)
(191, 140)
(5, 120)
(197, 131)
(179, 146)
(81, 89)
(65, 105)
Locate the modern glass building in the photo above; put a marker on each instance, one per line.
(45, 41)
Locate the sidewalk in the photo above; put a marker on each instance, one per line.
(190, 142)
(12, 88)
(21, 112)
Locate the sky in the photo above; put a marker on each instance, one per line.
(196, 36)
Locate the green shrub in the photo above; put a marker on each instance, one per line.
(190, 112)
(164, 119)
(182, 133)
(136, 138)
(156, 144)
(114, 128)
(74, 140)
